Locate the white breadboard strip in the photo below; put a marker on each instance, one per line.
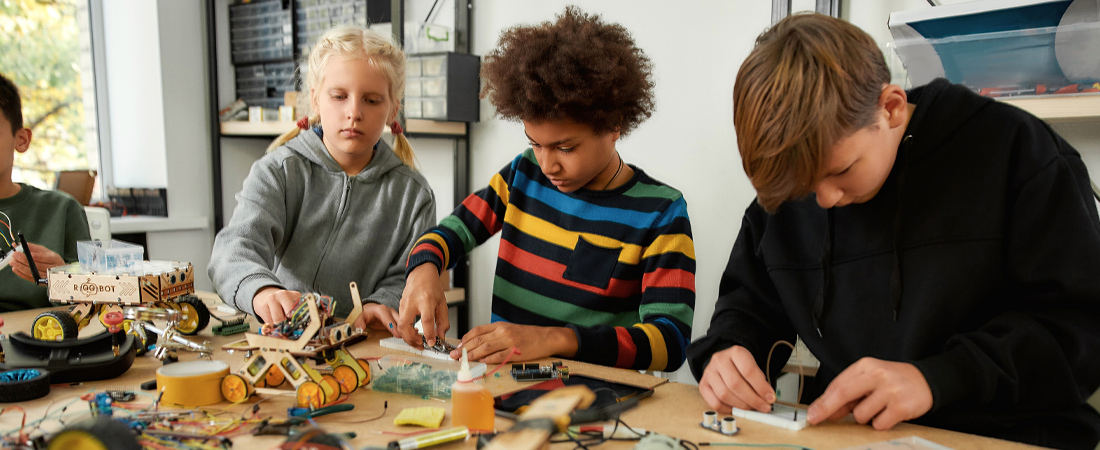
(781, 416)
(6, 259)
(399, 344)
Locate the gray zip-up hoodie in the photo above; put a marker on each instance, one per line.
(303, 224)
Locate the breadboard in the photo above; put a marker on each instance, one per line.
(6, 258)
(399, 344)
(781, 416)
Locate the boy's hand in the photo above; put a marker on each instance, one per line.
(733, 380)
(377, 316)
(272, 304)
(44, 260)
(879, 392)
(424, 297)
(492, 343)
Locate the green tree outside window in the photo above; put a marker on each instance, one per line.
(47, 54)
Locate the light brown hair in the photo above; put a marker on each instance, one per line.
(810, 80)
(353, 41)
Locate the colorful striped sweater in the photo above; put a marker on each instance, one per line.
(617, 266)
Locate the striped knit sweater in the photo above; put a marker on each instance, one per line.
(617, 266)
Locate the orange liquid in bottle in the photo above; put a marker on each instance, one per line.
(472, 406)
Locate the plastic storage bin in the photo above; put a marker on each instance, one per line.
(1003, 47)
(110, 257)
(443, 86)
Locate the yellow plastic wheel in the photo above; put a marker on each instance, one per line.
(311, 395)
(195, 314)
(54, 326)
(97, 433)
(274, 377)
(345, 374)
(366, 368)
(332, 386)
(235, 388)
(77, 439)
(189, 322)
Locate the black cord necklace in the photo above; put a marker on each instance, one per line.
(613, 177)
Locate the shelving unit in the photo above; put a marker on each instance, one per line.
(458, 132)
(1069, 108)
(272, 129)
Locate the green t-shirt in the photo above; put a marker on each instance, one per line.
(52, 219)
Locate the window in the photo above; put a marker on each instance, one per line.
(48, 54)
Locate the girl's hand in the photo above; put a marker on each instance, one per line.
(272, 304)
(377, 316)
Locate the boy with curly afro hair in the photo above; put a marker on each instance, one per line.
(596, 259)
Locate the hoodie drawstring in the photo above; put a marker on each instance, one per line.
(825, 296)
(895, 277)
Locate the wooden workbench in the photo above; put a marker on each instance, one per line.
(675, 409)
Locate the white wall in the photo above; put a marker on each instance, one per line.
(186, 126)
(696, 48)
(134, 92)
(155, 56)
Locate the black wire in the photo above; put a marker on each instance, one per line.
(930, 2)
(385, 406)
(432, 9)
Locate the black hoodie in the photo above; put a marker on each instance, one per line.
(978, 262)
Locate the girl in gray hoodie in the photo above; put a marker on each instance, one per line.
(330, 203)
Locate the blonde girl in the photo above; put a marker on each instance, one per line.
(331, 202)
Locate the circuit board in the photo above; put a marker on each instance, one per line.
(441, 349)
(537, 372)
(781, 416)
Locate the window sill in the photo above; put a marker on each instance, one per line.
(144, 224)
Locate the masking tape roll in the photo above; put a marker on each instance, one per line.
(192, 383)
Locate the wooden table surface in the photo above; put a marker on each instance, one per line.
(675, 409)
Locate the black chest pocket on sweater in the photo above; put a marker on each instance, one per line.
(591, 264)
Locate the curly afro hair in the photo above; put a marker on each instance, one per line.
(579, 68)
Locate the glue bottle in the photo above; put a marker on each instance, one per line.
(471, 402)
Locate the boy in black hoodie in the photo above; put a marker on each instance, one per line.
(945, 269)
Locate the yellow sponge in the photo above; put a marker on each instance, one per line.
(425, 416)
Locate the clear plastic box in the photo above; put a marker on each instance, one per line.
(434, 108)
(423, 37)
(998, 48)
(425, 377)
(413, 108)
(434, 86)
(110, 257)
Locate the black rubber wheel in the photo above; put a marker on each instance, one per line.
(94, 434)
(202, 313)
(23, 384)
(55, 326)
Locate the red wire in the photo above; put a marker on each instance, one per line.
(22, 423)
(511, 353)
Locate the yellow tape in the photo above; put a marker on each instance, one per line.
(192, 383)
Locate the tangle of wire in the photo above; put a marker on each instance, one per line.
(7, 223)
(203, 422)
(299, 317)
